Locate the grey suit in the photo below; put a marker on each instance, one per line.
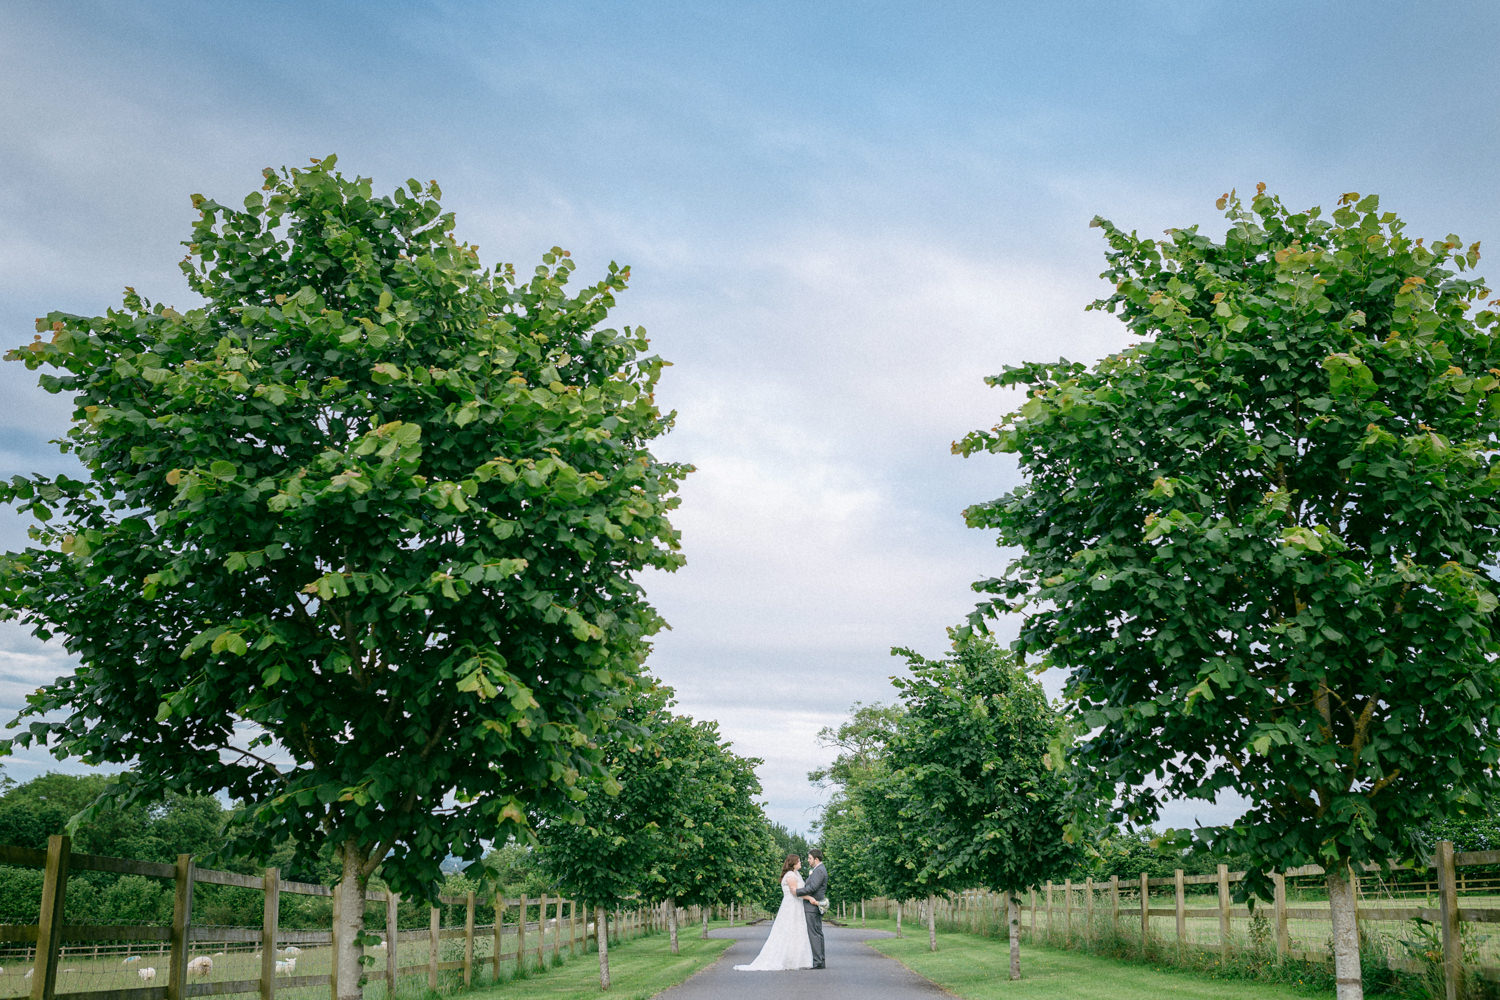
(814, 888)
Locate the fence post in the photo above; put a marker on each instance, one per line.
(1068, 908)
(1114, 903)
(1049, 908)
(182, 919)
(541, 933)
(557, 929)
(49, 927)
(1453, 955)
(1181, 902)
(499, 926)
(1145, 912)
(333, 969)
(468, 941)
(521, 936)
(434, 924)
(392, 932)
(572, 927)
(1088, 910)
(1224, 912)
(1278, 904)
(269, 920)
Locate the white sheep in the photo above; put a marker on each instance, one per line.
(147, 974)
(29, 972)
(201, 966)
(291, 949)
(132, 958)
(286, 966)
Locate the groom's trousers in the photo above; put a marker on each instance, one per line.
(815, 934)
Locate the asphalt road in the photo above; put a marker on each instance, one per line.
(854, 970)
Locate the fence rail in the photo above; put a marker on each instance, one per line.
(504, 926)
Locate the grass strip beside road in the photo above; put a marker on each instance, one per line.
(978, 968)
(638, 969)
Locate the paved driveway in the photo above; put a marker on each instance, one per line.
(854, 970)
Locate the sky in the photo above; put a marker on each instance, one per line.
(839, 218)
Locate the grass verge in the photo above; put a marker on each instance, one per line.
(638, 969)
(979, 968)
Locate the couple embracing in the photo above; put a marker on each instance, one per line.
(796, 938)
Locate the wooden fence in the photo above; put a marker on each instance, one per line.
(511, 919)
(1197, 911)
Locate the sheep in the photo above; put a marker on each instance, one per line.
(201, 966)
(291, 949)
(132, 958)
(29, 972)
(286, 966)
(147, 974)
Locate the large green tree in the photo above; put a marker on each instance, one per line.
(1259, 539)
(358, 538)
(976, 752)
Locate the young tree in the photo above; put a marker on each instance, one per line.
(1259, 539)
(975, 749)
(845, 830)
(359, 536)
(656, 823)
(715, 840)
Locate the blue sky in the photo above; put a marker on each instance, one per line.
(839, 217)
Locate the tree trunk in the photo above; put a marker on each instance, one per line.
(1345, 934)
(1013, 918)
(932, 925)
(349, 920)
(672, 922)
(705, 923)
(601, 935)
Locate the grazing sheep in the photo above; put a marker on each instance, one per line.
(147, 974)
(291, 949)
(29, 972)
(201, 966)
(286, 966)
(132, 958)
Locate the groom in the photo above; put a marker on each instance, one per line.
(814, 889)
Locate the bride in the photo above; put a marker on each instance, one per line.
(786, 946)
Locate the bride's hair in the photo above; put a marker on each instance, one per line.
(792, 861)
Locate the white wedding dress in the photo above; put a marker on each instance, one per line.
(786, 946)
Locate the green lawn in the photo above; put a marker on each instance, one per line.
(979, 969)
(638, 969)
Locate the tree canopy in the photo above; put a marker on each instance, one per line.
(358, 538)
(1259, 539)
